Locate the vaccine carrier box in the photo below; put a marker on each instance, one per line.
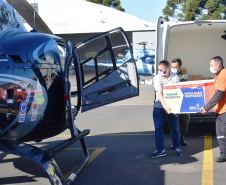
(189, 96)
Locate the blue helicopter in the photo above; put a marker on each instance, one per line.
(40, 74)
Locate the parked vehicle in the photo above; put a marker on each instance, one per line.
(144, 60)
(195, 42)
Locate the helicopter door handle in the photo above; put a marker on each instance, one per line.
(24, 67)
(7, 67)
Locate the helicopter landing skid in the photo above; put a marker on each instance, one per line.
(45, 159)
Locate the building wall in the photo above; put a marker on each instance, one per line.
(134, 38)
(144, 39)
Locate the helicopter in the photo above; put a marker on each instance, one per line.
(36, 88)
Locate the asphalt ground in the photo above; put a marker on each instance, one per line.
(120, 141)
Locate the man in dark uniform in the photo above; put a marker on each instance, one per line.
(219, 101)
(184, 119)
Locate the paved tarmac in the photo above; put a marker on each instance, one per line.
(120, 141)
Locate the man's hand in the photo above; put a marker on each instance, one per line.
(203, 111)
(167, 109)
(161, 99)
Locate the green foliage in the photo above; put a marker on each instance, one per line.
(110, 3)
(190, 10)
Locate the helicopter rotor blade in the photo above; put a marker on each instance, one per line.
(27, 12)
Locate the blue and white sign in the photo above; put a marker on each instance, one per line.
(188, 97)
(23, 110)
(193, 99)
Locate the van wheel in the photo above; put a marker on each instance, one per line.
(166, 128)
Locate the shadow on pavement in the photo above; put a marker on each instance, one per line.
(125, 161)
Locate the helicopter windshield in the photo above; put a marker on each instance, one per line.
(8, 17)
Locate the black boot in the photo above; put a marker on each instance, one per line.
(221, 159)
(183, 142)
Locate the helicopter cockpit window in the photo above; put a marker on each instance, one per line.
(96, 61)
(105, 65)
(120, 48)
(7, 19)
(100, 57)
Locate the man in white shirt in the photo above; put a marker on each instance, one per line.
(161, 111)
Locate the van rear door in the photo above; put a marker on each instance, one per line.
(161, 41)
(107, 69)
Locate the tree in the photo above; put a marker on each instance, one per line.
(190, 10)
(110, 3)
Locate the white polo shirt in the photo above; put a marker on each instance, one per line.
(158, 85)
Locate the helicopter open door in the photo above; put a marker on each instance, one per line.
(107, 70)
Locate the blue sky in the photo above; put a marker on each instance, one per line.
(148, 10)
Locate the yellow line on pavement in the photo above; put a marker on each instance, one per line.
(95, 153)
(207, 170)
(92, 156)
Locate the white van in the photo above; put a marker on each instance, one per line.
(195, 42)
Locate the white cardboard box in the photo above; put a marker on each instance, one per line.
(189, 96)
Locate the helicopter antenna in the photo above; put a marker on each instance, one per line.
(34, 17)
